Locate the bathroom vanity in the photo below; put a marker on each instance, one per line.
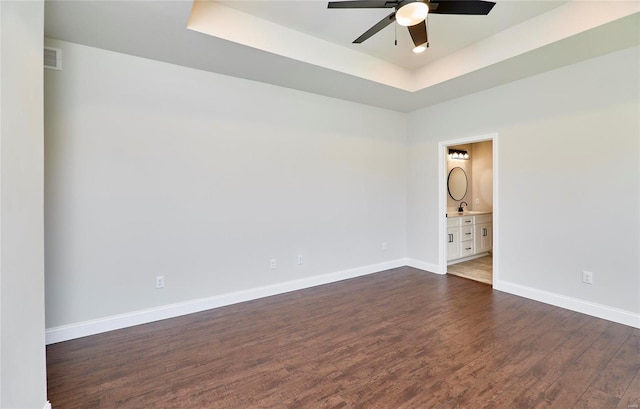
(468, 235)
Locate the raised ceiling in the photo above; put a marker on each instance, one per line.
(447, 33)
(305, 46)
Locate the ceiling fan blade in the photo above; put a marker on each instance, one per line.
(418, 33)
(469, 7)
(361, 4)
(379, 26)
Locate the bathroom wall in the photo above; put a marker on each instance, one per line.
(479, 170)
(482, 181)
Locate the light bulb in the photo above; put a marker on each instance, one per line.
(466, 156)
(420, 49)
(412, 13)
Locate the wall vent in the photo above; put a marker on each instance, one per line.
(53, 58)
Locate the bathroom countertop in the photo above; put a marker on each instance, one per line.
(469, 213)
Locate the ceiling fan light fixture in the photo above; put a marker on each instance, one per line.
(420, 49)
(412, 12)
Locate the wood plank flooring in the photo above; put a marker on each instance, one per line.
(479, 269)
(397, 339)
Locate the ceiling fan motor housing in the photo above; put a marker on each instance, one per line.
(412, 14)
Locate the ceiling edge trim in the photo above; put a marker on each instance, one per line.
(558, 24)
(224, 22)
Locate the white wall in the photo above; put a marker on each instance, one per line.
(22, 352)
(482, 182)
(155, 169)
(569, 179)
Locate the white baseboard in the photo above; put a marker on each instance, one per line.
(432, 268)
(574, 304)
(47, 405)
(83, 329)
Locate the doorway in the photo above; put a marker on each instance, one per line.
(468, 217)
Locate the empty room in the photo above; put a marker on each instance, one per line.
(305, 204)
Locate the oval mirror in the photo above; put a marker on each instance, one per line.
(457, 183)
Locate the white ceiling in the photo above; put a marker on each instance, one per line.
(303, 45)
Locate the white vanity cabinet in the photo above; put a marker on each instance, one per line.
(467, 246)
(482, 233)
(453, 238)
(468, 235)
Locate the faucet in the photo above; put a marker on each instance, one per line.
(460, 209)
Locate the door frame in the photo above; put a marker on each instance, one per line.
(442, 200)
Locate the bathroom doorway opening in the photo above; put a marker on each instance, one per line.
(468, 217)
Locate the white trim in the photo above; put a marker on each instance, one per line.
(423, 265)
(442, 208)
(82, 329)
(574, 304)
(495, 220)
(47, 405)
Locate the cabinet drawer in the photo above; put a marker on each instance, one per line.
(466, 248)
(482, 218)
(466, 220)
(466, 233)
(453, 222)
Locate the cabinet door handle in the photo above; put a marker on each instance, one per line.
(484, 232)
(450, 238)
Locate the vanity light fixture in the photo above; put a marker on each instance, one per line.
(458, 154)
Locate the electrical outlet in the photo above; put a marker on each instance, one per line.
(160, 282)
(587, 277)
(273, 263)
(300, 259)
(384, 245)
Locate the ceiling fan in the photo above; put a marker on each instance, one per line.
(412, 14)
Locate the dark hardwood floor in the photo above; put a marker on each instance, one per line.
(397, 339)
